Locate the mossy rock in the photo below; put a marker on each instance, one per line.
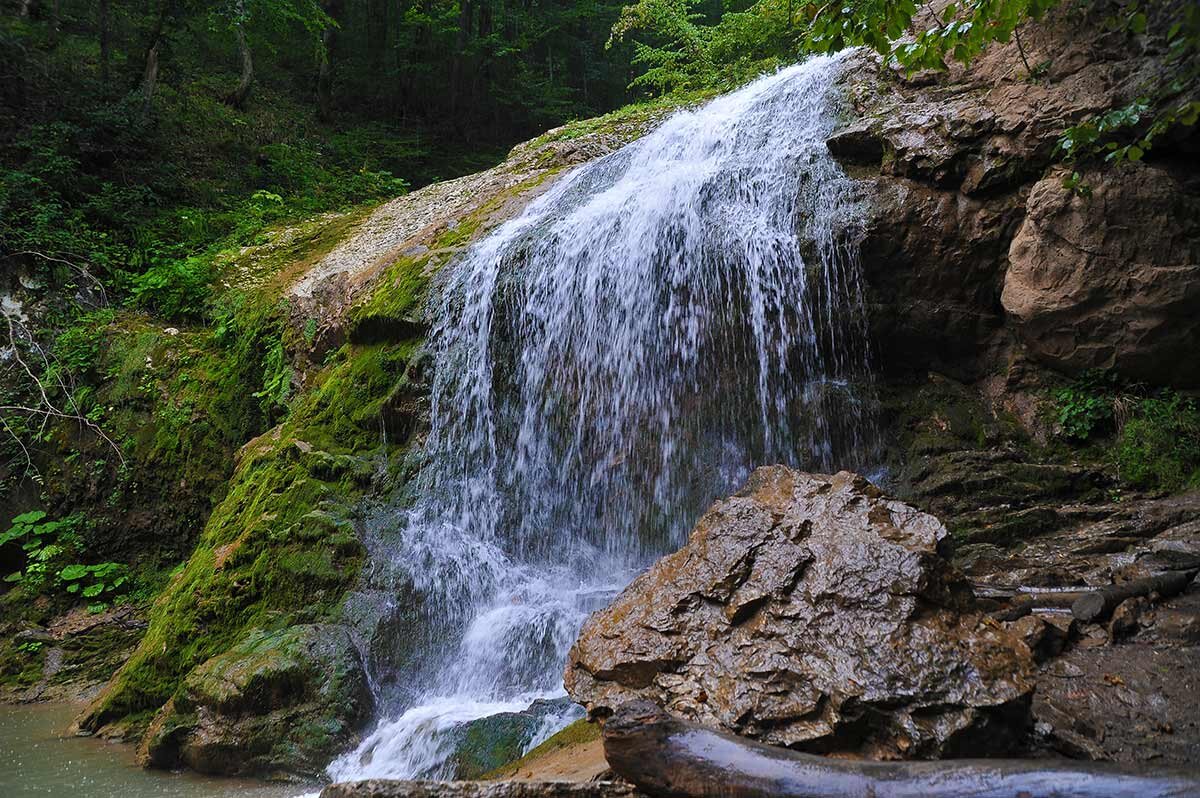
(279, 702)
(575, 734)
(483, 745)
(281, 549)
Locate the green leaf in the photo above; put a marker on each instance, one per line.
(106, 568)
(73, 572)
(15, 576)
(91, 591)
(1137, 23)
(31, 517)
(73, 587)
(1134, 153)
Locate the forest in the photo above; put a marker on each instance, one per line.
(354, 353)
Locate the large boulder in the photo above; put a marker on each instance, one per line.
(278, 703)
(813, 612)
(1110, 279)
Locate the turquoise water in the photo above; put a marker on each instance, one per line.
(38, 759)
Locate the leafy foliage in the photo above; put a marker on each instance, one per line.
(961, 33)
(682, 49)
(1155, 436)
(1159, 445)
(1082, 414)
(1085, 407)
(48, 546)
(1129, 132)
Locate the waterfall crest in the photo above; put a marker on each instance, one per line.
(657, 324)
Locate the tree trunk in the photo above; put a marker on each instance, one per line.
(55, 21)
(25, 9)
(237, 97)
(150, 70)
(457, 65)
(325, 71)
(1099, 604)
(105, 48)
(670, 758)
(149, 79)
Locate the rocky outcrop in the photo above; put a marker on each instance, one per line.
(813, 612)
(276, 703)
(396, 248)
(961, 174)
(1111, 279)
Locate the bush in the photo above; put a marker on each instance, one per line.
(1082, 412)
(1159, 446)
(175, 289)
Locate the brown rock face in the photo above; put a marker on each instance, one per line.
(1112, 280)
(813, 612)
(960, 169)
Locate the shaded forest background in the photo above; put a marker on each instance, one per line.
(137, 132)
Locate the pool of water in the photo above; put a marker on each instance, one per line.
(38, 758)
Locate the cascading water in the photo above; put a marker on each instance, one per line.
(627, 350)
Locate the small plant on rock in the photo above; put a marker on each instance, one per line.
(1084, 409)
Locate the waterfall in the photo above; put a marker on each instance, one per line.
(654, 326)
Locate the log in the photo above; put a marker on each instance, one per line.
(1027, 603)
(1099, 604)
(670, 758)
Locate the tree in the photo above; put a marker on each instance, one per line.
(237, 97)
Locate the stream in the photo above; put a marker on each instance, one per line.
(38, 758)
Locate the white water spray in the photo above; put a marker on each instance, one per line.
(657, 324)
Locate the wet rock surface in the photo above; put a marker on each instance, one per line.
(1122, 687)
(383, 788)
(813, 612)
(276, 703)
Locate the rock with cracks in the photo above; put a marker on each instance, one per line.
(813, 612)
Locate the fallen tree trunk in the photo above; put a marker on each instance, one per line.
(1099, 604)
(1025, 603)
(664, 756)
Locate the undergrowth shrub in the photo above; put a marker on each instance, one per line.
(49, 550)
(1159, 444)
(1084, 409)
(175, 289)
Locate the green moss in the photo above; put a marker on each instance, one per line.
(394, 299)
(1159, 445)
(390, 311)
(628, 122)
(943, 415)
(278, 550)
(21, 664)
(578, 733)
